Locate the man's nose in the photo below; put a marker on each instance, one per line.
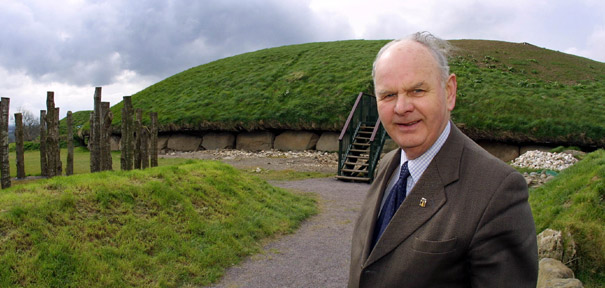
(403, 104)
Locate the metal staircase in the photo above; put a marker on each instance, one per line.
(361, 141)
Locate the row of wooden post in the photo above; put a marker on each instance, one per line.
(138, 143)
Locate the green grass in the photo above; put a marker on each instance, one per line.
(167, 226)
(575, 202)
(507, 91)
(81, 161)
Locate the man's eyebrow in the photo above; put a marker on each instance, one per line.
(383, 91)
(418, 85)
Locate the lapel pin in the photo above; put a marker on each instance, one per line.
(422, 202)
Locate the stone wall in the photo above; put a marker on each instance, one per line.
(293, 141)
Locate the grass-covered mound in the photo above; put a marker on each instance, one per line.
(168, 226)
(508, 91)
(575, 202)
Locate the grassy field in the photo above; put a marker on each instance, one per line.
(81, 161)
(508, 91)
(575, 202)
(169, 226)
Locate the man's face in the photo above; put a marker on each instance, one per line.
(413, 102)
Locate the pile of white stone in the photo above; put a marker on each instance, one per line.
(545, 160)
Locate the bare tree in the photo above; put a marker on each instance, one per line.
(31, 124)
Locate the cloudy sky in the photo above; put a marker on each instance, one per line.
(72, 46)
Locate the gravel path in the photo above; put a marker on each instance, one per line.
(317, 254)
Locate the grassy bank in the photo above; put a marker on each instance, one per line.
(575, 202)
(508, 91)
(167, 226)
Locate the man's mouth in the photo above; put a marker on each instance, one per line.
(410, 123)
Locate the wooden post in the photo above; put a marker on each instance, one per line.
(144, 147)
(19, 145)
(95, 133)
(127, 138)
(137, 138)
(58, 162)
(5, 177)
(53, 156)
(154, 139)
(43, 159)
(69, 170)
(107, 162)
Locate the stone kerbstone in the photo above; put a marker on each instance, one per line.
(389, 145)
(162, 142)
(254, 141)
(328, 142)
(183, 142)
(114, 143)
(218, 140)
(295, 141)
(553, 271)
(550, 244)
(504, 152)
(563, 283)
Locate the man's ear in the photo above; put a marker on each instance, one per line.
(450, 92)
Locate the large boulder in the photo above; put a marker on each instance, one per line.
(328, 141)
(218, 140)
(552, 244)
(504, 152)
(184, 142)
(255, 141)
(162, 142)
(114, 143)
(389, 145)
(295, 141)
(553, 273)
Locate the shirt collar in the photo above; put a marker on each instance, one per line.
(418, 165)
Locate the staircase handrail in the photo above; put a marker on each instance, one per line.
(350, 117)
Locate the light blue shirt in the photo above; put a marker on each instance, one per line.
(418, 165)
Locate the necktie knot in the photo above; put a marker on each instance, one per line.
(405, 172)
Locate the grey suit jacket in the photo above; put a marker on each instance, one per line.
(476, 229)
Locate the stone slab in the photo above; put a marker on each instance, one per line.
(254, 141)
(295, 141)
(184, 142)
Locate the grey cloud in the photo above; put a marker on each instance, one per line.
(102, 38)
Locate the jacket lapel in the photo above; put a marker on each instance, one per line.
(443, 170)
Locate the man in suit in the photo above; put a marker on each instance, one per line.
(442, 212)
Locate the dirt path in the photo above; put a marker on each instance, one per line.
(317, 254)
